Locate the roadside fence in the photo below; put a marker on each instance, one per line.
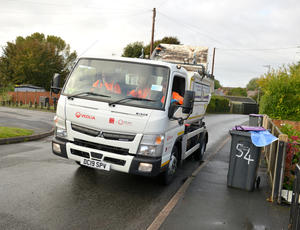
(31, 99)
(275, 155)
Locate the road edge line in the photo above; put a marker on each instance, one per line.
(164, 213)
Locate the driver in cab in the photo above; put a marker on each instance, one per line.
(107, 83)
(143, 89)
(176, 98)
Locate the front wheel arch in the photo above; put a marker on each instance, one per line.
(168, 175)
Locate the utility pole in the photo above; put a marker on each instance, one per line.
(213, 62)
(152, 35)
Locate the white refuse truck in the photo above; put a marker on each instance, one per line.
(107, 121)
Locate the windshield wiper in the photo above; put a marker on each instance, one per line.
(87, 93)
(131, 98)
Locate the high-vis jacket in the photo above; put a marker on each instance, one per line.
(175, 97)
(141, 93)
(108, 86)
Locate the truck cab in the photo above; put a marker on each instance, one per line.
(119, 114)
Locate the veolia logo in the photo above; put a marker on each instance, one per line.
(78, 115)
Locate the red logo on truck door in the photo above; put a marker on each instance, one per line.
(80, 115)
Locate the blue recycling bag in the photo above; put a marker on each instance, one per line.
(262, 138)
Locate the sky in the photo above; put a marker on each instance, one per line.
(251, 37)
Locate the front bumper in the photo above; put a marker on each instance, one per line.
(156, 163)
(62, 144)
(130, 163)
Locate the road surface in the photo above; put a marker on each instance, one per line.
(42, 191)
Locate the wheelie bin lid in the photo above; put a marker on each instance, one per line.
(256, 115)
(248, 128)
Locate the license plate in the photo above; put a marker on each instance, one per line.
(95, 164)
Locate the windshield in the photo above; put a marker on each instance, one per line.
(112, 81)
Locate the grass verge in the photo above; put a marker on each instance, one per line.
(7, 132)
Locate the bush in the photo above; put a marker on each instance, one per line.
(4, 93)
(218, 104)
(281, 99)
(239, 92)
(292, 155)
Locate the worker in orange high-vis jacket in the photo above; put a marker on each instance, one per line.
(108, 84)
(143, 90)
(175, 96)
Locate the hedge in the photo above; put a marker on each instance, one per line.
(281, 88)
(218, 104)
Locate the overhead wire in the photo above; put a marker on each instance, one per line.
(199, 31)
(243, 50)
(187, 29)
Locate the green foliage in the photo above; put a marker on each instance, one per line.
(240, 92)
(4, 92)
(253, 84)
(281, 88)
(290, 131)
(34, 60)
(217, 84)
(218, 104)
(135, 49)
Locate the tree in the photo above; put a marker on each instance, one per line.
(34, 60)
(237, 92)
(281, 88)
(135, 49)
(217, 84)
(252, 84)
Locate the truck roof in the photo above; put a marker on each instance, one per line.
(172, 66)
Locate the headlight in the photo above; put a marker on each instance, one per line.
(60, 124)
(151, 145)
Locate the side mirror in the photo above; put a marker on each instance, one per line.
(173, 107)
(188, 101)
(55, 83)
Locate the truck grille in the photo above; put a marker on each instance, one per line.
(105, 148)
(106, 135)
(114, 161)
(80, 153)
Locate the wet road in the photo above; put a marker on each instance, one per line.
(39, 190)
(39, 121)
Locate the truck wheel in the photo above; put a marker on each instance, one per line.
(168, 175)
(199, 153)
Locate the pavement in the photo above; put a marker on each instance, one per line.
(208, 203)
(42, 124)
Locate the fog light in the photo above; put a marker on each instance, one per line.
(56, 147)
(145, 167)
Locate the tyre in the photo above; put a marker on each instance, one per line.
(168, 175)
(199, 153)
